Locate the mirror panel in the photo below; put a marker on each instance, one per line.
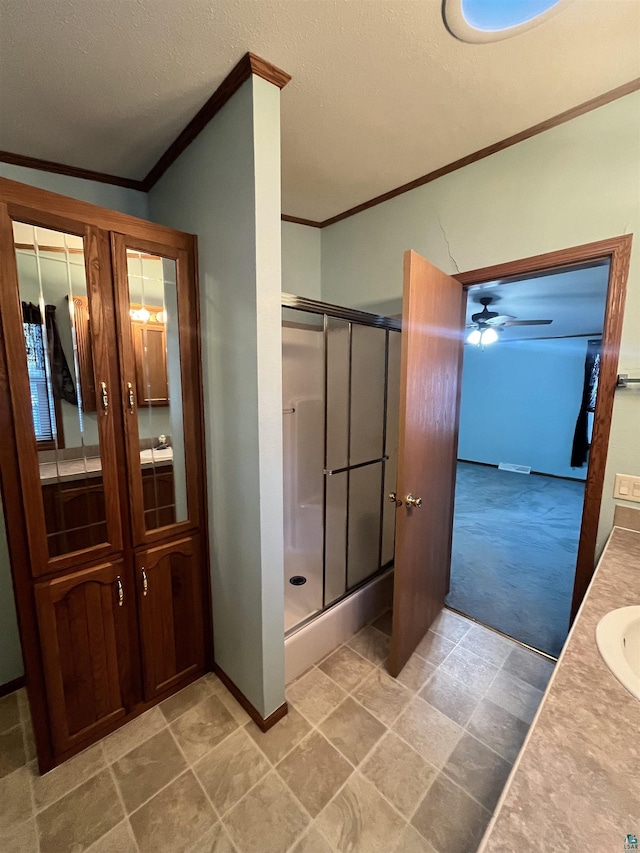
(156, 387)
(56, 324)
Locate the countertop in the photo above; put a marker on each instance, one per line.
(576, 783)
(75, 469)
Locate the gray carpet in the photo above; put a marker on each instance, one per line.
(515, 543)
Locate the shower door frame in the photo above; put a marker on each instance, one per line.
(362, 318)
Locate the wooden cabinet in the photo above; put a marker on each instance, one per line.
(82, 619)
(86, 378)
(170, 588)
(158, 494)
(75, 514)
(149, 343)
(85, 521)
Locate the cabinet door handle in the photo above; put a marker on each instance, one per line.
(131, 397)
(104, 396)
(145, 583)
(120, 591)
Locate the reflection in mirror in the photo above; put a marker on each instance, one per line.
(55, 316)
(153, 313)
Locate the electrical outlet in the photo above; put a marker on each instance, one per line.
(627, 488)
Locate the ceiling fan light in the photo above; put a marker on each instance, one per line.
(474, 337)
(488, 336)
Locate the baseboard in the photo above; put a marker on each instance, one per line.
(534, 473)
(258, 719)
(12, 686)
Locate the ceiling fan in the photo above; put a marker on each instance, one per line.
(485, 323)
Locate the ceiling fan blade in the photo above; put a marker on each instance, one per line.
(527, 322)
(500, 319)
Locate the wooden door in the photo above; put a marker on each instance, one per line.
(48, 265)
(149, 343)
(84, 623)
(432, 337)
(157, 316)
(170, 593)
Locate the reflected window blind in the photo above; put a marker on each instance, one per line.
(41, 397)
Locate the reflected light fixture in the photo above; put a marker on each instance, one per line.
(493, 20)
(141, 315)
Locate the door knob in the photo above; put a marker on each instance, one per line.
(415, 502)
(394, 499)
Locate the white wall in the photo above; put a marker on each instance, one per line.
(301, 271)
(226, 189)
(573, 184)
(520, 401)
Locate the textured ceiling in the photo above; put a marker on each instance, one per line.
(574, 300)
(381, 92)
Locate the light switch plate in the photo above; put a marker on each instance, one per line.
(627, 488)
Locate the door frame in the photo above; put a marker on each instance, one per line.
(616, 250)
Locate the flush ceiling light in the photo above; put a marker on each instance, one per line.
(493, 20)
(482, 337)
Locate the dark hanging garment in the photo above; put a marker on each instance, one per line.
(581, 438)
(61, 378)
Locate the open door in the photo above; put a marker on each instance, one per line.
(432, 337)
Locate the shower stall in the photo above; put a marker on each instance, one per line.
(341, 376)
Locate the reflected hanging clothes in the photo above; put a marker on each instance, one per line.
(581, 438)
(61, 378)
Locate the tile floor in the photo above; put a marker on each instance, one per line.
(362, 763)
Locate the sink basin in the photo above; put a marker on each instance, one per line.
(618, 639)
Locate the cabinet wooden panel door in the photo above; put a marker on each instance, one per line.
(149, 343)
(83, 622)
(171, 614)
(157, 312)
(58, 326)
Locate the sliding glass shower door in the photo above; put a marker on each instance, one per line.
(343, 457)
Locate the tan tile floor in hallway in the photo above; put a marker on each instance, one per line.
(362, 763)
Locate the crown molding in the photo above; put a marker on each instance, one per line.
(252, 64)
(248, 65)
(69, 171)
(541, 127)
(311, 223)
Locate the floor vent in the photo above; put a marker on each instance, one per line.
(297, 580)
(518, 469)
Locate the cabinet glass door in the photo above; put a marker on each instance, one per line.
(154, 312)
(61, 381)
